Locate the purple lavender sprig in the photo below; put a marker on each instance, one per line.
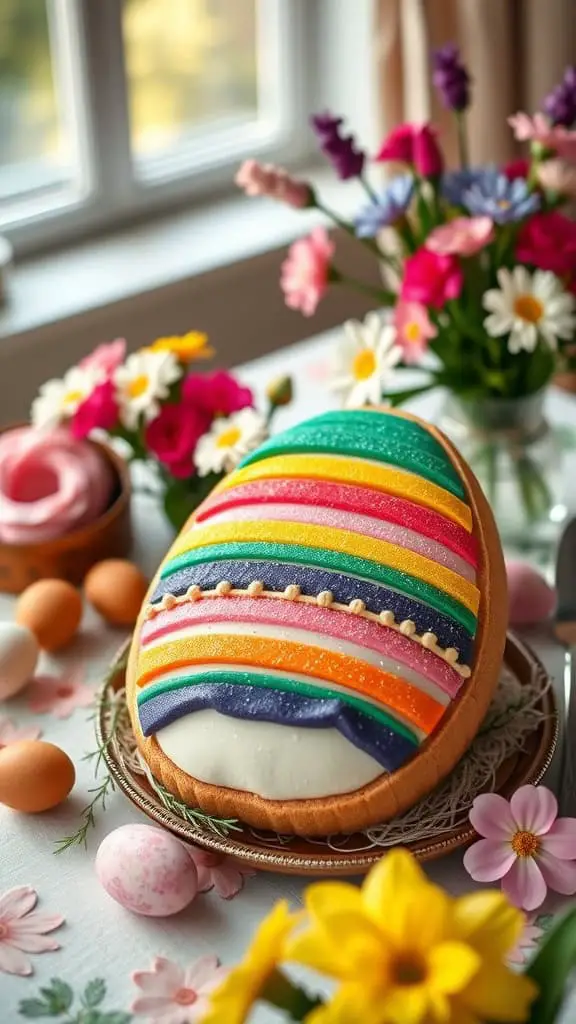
(343, 153)
(451, 78)
(560, 104)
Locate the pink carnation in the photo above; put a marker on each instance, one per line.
(106, 358)
(98, 412)
(413, 330)
(463, 236)
(173, 435)
(414, 144)
(216, 394)
(305, 271)
(268, 180)
(539, 129)
(431, 279)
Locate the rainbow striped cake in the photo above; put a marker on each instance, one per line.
(324, 637)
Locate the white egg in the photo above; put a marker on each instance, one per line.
(18, 658)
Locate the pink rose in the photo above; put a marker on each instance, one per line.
(431, 279)
(413, 330)
(216, 394)
(548, 241)
(173, 435)
(98, 412)
(414, 144)
(106, 358)
(463, 236)
(305, 271)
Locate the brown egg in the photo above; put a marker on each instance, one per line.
(52, 610)
(34, 776)
(116, 589)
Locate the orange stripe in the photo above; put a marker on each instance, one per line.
(389, 690)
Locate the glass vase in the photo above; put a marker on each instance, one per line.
(517, 457)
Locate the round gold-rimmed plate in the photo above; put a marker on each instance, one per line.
(342, 854)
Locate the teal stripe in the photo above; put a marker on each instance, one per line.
(247, 678)
(351, 565)
(368, 421)
(379, 445)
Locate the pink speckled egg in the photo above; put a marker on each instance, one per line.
(530, 598)
(146, 870)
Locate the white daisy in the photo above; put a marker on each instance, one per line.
(58, 400)
(363, 360)
(142, 383)
(228, 441)
(528, 307)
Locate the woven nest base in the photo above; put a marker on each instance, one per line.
(514, 746)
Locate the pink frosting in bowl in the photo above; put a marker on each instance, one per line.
(50, 485)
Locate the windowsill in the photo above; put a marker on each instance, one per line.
(53, 288)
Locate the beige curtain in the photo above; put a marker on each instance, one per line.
(516, 50)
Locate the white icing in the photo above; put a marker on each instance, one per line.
(273, 761)
(303, 636)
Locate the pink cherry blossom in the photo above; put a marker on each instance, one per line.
(24, 931)
(59, 696)
(304, 277)
(539, 129)
(173, 995)
(414, 329)
(106, 358)
(463, 236)
(216, 871)
(527, 943)
(269, 180)
(9, 733)
(525, 845)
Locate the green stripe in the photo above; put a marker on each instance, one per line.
(369, 421)
(382, 445)
(274, 683)
(351, 565)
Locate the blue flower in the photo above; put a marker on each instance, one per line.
(390, 206)
(493, 195)
(455, 183)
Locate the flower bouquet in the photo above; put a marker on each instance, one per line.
(402, 951)
(190, 428)
(479, 267)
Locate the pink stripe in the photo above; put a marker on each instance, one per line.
(355, 523)
(315, 619)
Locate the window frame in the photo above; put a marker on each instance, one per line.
(108, 191)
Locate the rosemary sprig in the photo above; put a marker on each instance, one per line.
(220, 826)
(88, 815)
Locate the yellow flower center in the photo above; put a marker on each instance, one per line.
(412, 332)
(504, 204)
(185, 997)
(408, 968)
(72, 398)
(138, 386)
(364, 364)
(528, 308)
(229, 437)
(525, 844)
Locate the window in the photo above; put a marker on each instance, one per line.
(110, 108)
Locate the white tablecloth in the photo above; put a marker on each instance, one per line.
(100, 938)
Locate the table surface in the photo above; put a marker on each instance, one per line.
(99, 937)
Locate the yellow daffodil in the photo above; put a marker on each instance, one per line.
(407, 953)
(186, 348)
(232, 1001)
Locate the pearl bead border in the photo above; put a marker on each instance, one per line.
(325, 600)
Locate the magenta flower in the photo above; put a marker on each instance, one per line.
(172, 995)
(106, 358)
(173, 436)
(269, 180)
(216, 394)
(216, 871)
(98, 412)
(431, 279)
(525, 845)
(305, 271)
(413, 144)
(9, 733)
(414, 330)
(24, 931)
(59, 696)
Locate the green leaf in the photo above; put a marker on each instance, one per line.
(35, 1008)
(399, 397)
(94, 992)
(182, 497)
(551, 967)
(115, 1017)
(59, 996)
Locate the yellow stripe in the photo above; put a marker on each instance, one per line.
(332, 539)
(355, 471)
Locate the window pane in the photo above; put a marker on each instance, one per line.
(190, 64)
(33, 145)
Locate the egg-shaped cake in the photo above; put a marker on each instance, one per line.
(323, 639)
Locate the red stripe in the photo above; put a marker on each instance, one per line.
(350, 498)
